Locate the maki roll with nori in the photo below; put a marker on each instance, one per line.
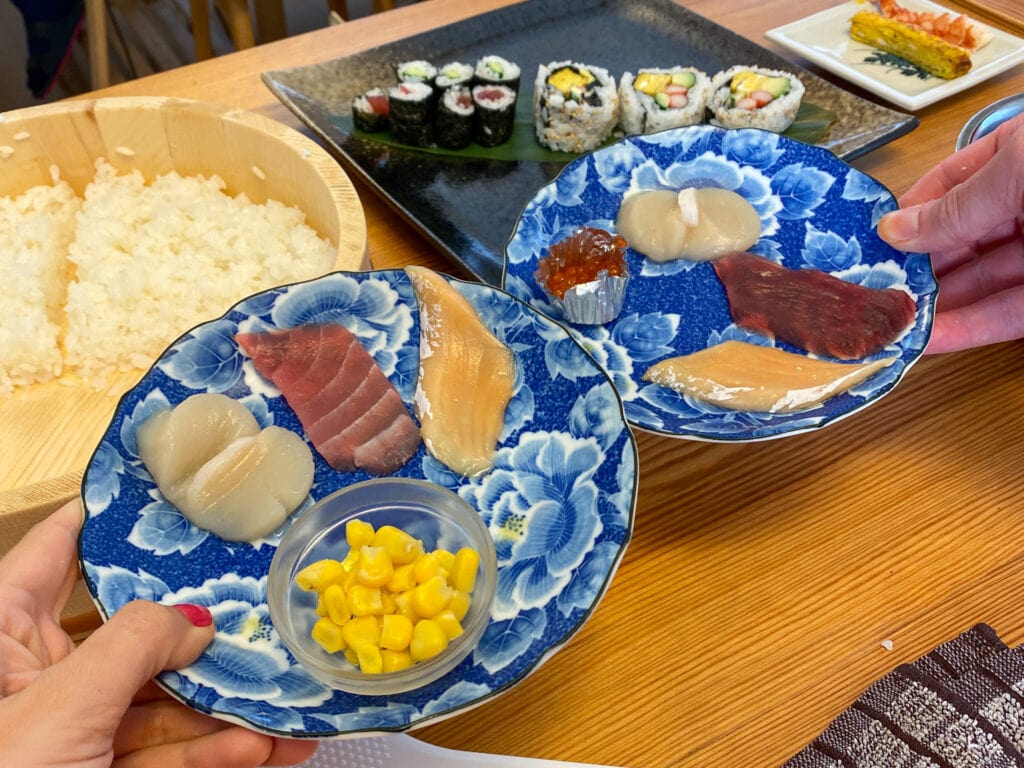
(575, 106)
(495, 70)
(416, 71)
(370, 110)
(746, 96)
(495, 114)
(411, 113)
(452, 74)
(455, 122)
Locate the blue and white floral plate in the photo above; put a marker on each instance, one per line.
(816, 211)
(560, 502)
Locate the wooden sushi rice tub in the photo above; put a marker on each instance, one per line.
(48, 431)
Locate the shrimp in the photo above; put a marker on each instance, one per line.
(958, 30)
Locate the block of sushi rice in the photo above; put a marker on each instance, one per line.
(35, 230)
(746, 96)
(575, 106)
(151, 261)
(657, 99)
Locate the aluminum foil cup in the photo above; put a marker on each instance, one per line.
(595, 303)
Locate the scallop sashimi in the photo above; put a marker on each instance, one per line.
(350, 411)
(212, 461)
(748, 377)
(466, 377)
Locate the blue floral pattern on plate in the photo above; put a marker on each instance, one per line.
(816, 211)
(566, 472)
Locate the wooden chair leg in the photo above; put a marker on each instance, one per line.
(200, 12)
(382, 5)
(339, 7)
(236, 16)
(96, 30)
(270, 20)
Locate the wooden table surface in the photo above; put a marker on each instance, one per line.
(751, 606)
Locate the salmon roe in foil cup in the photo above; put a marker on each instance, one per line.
(586, 276)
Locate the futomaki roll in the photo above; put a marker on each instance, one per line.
(411, 113)
(370, 110)
(753, 97)
(455, 123)
(656, 99)
(575, 106)
(495, 114)
(496, 70)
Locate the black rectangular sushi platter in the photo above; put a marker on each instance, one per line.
(468, 207)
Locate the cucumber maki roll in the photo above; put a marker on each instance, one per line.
(455, 122)
(575, 106)
(495, 114)
(416, 71)
(495, 70)
(657, 99)
(452, 74)
(370, 110)
(752, 97)
(411, 113)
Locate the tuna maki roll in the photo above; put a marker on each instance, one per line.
(752, 97)
(455, 123)
(495, 70)
(495, 114)
(411, 113)
(657, 99)
(575, 106)
(416, 71)
(454, 73)
(370, 110)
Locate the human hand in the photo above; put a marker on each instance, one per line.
(968, 213)
(96, 705)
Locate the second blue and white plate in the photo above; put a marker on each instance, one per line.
(559, 501)
(816, 211)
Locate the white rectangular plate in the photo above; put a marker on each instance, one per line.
(824, 38)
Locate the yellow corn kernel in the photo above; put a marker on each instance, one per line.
(445, 558)
(352, 657)
(459, 604)
(403, 606)
(395, 632)
(428, 640)
(328, 636)
(450, 625)
(402, 579)
(320, 575)
(462, 575)
(426, 568)
(361, 630)
(393, 661)
(431, 597)
(370, 661)
(321, 606)
(401, 546)
(336, 604)
(351, 566)
(365, 601)
(358, 533)
(375, 566)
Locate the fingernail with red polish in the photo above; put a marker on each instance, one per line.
(199, 615)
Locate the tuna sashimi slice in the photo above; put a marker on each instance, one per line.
(812, 309)
(333, 383)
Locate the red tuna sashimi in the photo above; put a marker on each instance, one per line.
(350, 411)
(812, 309)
